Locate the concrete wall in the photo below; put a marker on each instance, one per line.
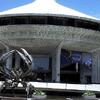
(96, 67)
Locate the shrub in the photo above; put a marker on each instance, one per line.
(88, 93)
(39, 93)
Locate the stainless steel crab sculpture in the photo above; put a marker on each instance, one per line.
(16, 75)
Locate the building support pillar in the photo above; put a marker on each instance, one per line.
(9, 60)
(82, 70)
(17, 60)
(8, 64)
(85, 71)
(56, 63)
(96, 67)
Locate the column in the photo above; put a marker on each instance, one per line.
(96, 67)
(82, 70)
(85, 71)
(56, 64)
(33, 63)
(17, 60)
(9, 60)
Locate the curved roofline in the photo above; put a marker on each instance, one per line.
(46, 7)
(55, 15)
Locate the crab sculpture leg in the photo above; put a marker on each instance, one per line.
(16, 74)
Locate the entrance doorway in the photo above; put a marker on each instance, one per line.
(70, 66)
(69, 74)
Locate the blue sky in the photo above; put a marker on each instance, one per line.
(90, 7)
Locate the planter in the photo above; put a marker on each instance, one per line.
(37, 97)
(29, 99)
(92, 97)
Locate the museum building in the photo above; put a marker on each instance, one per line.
(64, 43)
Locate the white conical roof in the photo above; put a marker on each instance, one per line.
(45, 7)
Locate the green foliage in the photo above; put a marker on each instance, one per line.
(88, 93)
(39, 93)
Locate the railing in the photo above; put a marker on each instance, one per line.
(12, 98)
(66, 87)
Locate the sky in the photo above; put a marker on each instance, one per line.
(89, 7)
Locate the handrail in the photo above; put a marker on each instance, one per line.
(64, 86)
(12, 98)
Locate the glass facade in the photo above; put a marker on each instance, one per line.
(41, 63)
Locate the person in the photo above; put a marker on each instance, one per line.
(77, 67)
